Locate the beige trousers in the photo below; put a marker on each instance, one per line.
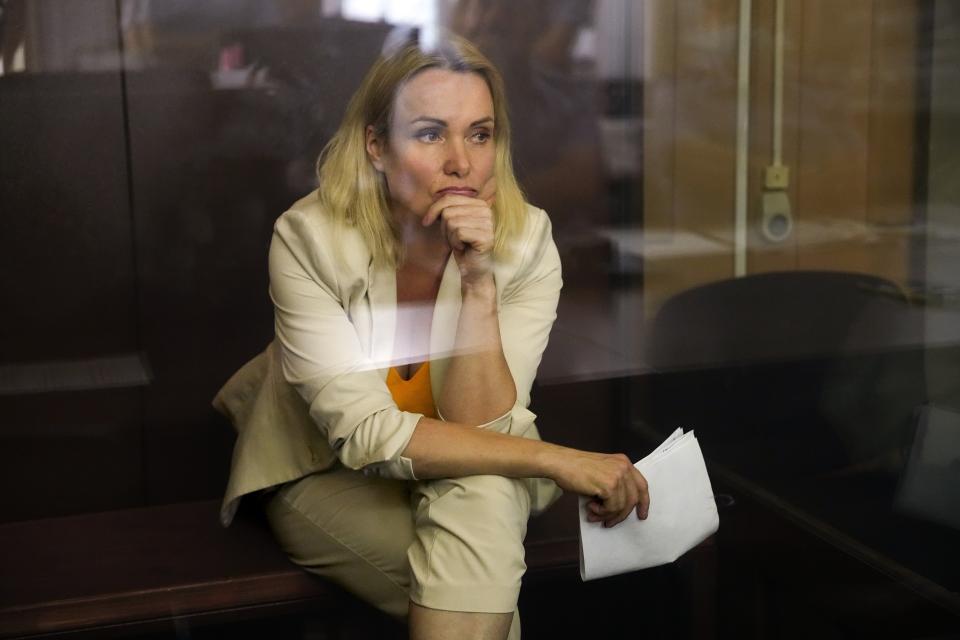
(452, 544)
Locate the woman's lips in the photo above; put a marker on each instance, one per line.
(460, 191)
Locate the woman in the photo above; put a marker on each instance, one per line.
(386, 425)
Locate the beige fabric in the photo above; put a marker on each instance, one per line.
(351, 528)
(467, 553)
(446, 544)
(318, 392)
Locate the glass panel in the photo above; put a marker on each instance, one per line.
(800, 312)
(755, 204)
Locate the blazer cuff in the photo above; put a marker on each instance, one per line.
(399, 469)
(501, 424)
(378, 441)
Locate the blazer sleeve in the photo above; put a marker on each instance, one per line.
(321, 353)
(528, 306)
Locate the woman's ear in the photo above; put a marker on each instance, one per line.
(374, 148)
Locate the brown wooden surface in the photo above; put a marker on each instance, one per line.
(834, 124)
(893, 102)
(659, 115)
(139, 564)
(172, 561)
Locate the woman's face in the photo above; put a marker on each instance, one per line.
(440, 141)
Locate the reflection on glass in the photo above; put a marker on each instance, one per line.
(758, 222)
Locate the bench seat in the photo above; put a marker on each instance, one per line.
(137, 570)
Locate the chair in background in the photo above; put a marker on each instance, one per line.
(805, 389)
(790, 375)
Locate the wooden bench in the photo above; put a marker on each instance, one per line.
(157, 568)
(149, 569)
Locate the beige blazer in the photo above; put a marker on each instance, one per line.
(318, 392)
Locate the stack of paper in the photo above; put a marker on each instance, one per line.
(683, 513)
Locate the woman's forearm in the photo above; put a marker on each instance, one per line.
(440, 449)
(478, 386)
(451, 450)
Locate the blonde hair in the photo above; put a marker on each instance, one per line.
(354, 193)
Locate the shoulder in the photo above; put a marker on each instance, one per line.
(316, 239)
(535, 236)
(538, 229)
(532, 252)
(308, 221)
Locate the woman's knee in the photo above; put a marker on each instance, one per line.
(468, 552)
(350, 531)
(488, 506)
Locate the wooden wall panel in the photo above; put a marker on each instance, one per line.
(70, 440)
(890, 180)
(834, 121)
(698, 190)
(659, 100)
(706, 104)
(848, 127)
(659, 136)
(892, 111)
(70, 452)
(66, 257)
(887, 255)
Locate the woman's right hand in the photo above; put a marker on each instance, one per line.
(612, 483)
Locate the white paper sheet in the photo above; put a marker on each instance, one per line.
(683, 513)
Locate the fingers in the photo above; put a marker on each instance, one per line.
(598, 507)
(472, 232)
(643, 503)
(607, 513)
(630, 499)
(626, 492)
(608, 500)
(464, 222)
(451, 201)
(638, 498)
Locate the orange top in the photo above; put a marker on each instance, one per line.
(414, 395)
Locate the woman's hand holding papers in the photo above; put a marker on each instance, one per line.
(614, 485)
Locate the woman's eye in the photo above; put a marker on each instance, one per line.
(481, 136)
(430, 135)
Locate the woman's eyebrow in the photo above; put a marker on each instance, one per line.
(436, 121)
(443, 123)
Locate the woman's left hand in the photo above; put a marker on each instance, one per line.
(467, 225)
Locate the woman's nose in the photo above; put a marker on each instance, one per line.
(457, 161)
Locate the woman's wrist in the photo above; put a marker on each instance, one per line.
(482, 289)
(549, 459)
